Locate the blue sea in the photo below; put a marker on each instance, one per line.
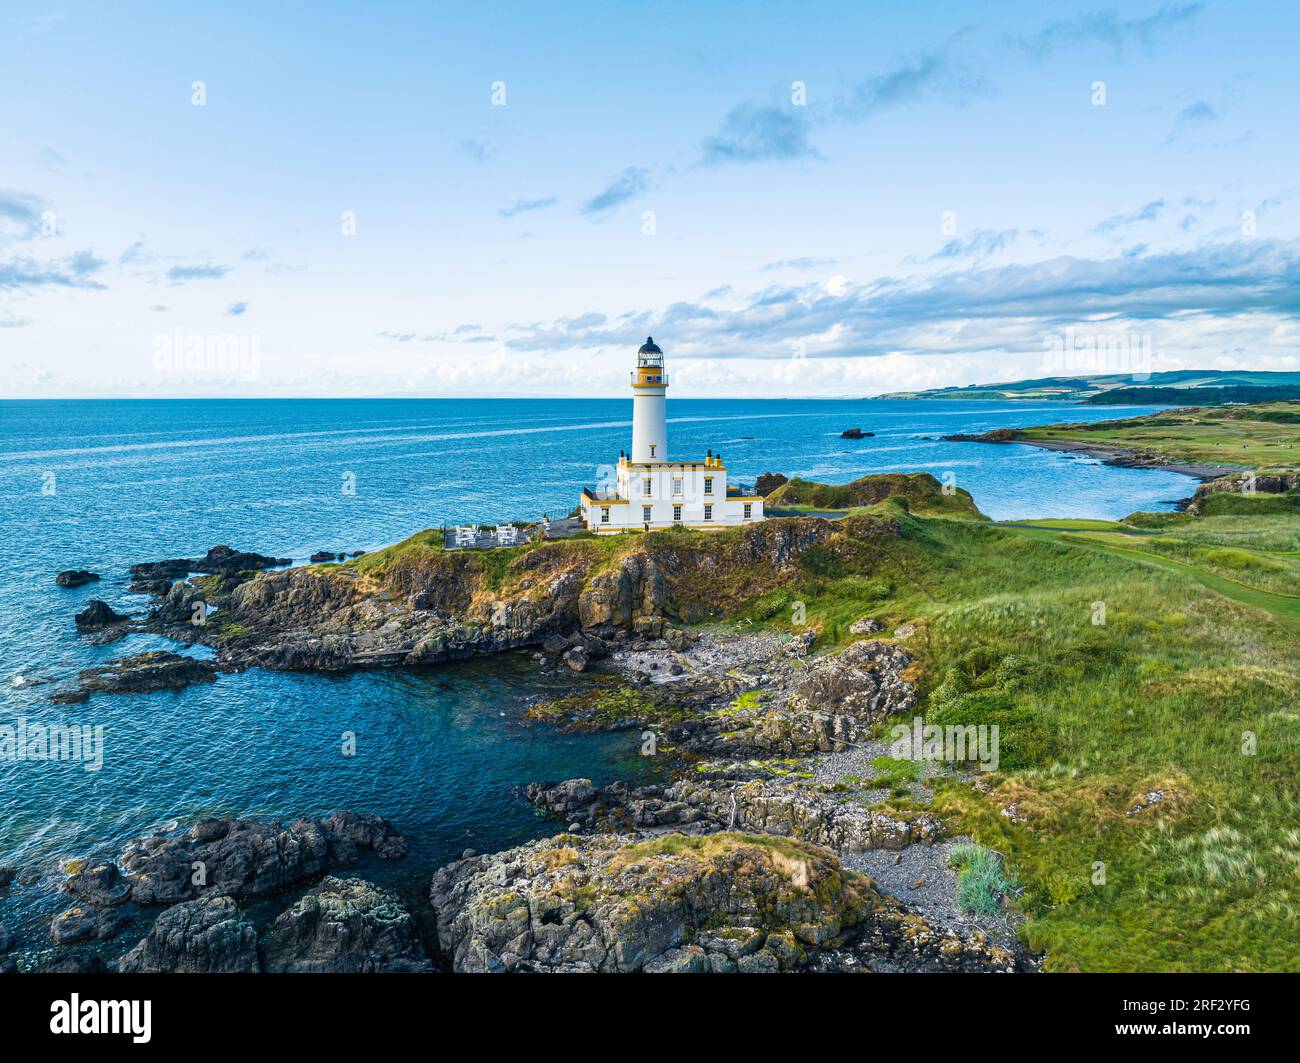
(105, 484)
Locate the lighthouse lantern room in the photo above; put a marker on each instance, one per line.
(648, 490)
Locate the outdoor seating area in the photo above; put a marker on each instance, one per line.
(489, 537)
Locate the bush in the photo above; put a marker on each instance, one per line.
(981, 882)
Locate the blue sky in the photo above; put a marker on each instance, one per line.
(945, 197)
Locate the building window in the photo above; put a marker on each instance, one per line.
(749, 510)
(708, 485)
(604, 514)
(708, 512)
(645, 514)
(677, 512)
(677, 485)
(647, 486)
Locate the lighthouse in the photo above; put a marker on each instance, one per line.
(649, 404)
(648, 490)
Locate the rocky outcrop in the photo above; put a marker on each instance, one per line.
(83, 924)
(142, 674)
(998, 435)
(353, 834)
(859, 686)
(99, 615)
(155, 577)
(921, 492)
(856, 433)
(75, 577)
(722, 902)
(244, 858)
(769, 482)
(430, 606)
(102, 885)
(1106, 453)
(1245, 483)
(823, 707)
(345, 926)
(765, 806)
(204, 936)
(638, 589)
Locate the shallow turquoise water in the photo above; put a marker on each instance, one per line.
(102, 485)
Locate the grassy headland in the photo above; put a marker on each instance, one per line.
(922, 493)
(1179, 386)
(1144, 675)
(1265, 437)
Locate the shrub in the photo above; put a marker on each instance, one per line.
(981, 882)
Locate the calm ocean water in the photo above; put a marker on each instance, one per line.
(102, 485)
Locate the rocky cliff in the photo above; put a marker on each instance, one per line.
(417, 604)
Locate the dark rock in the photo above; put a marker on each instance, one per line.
(353, 833)
(562, 799)
(325, 555)
(769, 482)
(102, 886)
(856, 433)
(220, 560)
(197, 937)
(98, 615)
(81, 924)
(142, 674)
(576, 658)
(345, 926)
(6, 877)
(557, 644)
(6, 941)
(75, 577)
(244, 858)
(998, 435)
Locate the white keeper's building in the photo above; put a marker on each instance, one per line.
(648, 490)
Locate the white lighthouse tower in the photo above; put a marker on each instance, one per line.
(649, 404)
(647, 490)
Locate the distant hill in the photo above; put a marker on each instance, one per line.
(1202, 387)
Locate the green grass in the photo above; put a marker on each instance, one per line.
(981, 882)
(920, 492)
(1092, 716)
(1262, 436)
